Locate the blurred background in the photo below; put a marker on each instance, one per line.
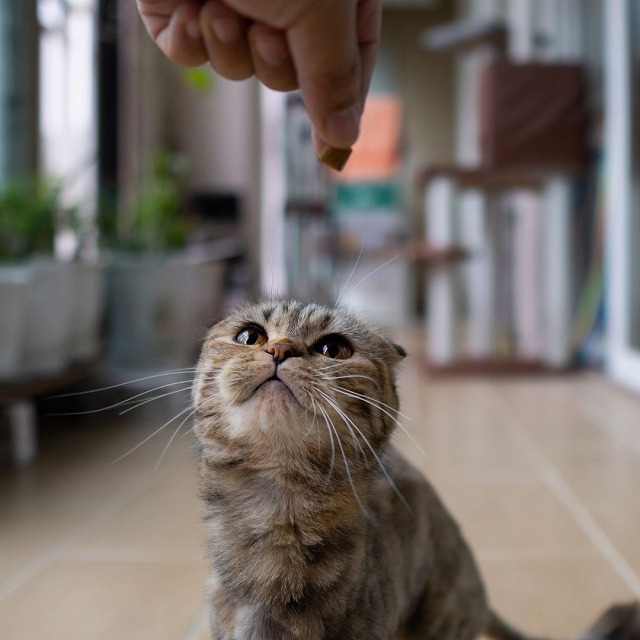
(488, 218)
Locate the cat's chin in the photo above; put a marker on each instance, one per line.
(271, 410)
(273, 385)
(274, 390)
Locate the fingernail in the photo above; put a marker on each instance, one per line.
(227, 30)
(343, 127)
(272, 49)
(193, 29)
(319, 145)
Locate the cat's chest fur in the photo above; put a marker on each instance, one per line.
(276, 532)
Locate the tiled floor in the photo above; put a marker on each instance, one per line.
(543, 474)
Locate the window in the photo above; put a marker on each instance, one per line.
(67, 102)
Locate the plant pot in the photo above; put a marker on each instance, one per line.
(159, 310)
(14, 291)
(49, 321)
(89, 288)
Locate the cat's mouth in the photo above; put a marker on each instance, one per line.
(275, 383)
(273, 378)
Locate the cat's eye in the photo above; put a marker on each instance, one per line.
(335, 347)
(252, 335)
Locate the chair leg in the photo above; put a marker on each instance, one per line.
(24, 432)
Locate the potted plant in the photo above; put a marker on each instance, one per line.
(40, 333)
(14, 283)
(160, 297)
(89, 286)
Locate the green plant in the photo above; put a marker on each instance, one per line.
(155, 223)
(29, 209)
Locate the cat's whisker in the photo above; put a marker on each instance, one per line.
(333, 446)
(412, 439)
(334, 405)
(208, 376)
(331, 430)
(388, 409)
(328, 371)
(344, 457)
(330, 367)
(175, 433)
(159, 397)
(352, 426)
(348, 280)
(381, 406)
(149, 437)
(128, 401)
(382, 266)
(386, 474)
(314, 423)
(353, 375)
(183, 371)
(234, 399)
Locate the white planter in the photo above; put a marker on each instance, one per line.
(159, 310)
(14, 291)
(89, 291)
(48, 326)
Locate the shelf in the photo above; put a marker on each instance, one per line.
(38, 385)
(463, 35)
(490, 179)
(492, 367)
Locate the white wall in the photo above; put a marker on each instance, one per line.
(217, 129)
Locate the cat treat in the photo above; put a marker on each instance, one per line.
(335, 158)
(316, 527)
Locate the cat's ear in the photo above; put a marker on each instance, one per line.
(400, 350)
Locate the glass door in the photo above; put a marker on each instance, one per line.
(623, 190)
(634, 212)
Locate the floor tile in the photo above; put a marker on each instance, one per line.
(105, 601)
(28, 537)
(162, 522)
(555, 597)
(542, 474)
(514, 520)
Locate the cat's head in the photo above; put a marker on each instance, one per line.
(296, 375)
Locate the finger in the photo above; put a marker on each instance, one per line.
(324, 42)
(271, 58)
(225, 35)
(174, 28)
(279, 14)
(326, 54)
(369, 23)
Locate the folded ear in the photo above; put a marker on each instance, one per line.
(401, 351)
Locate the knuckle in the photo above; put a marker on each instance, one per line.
(280, 14)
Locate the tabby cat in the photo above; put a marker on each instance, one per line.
(316, 527)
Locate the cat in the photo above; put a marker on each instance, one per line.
(316, 527)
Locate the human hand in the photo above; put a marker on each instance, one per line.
(326, 48)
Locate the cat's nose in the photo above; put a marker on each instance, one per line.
(281, 351)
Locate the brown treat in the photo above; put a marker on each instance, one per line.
(335, 158)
